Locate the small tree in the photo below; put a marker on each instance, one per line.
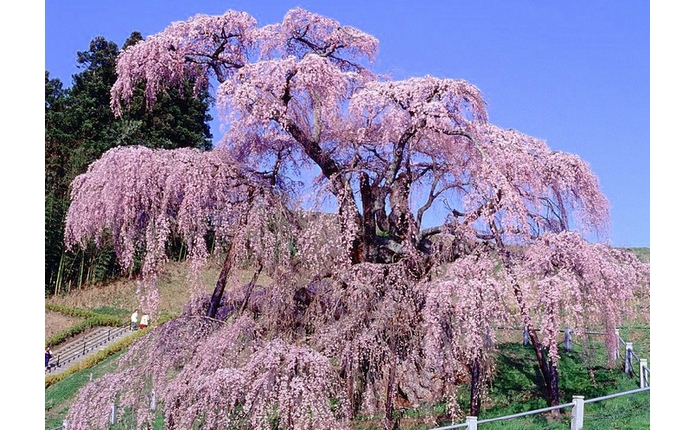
(80, 127)
(403, 311)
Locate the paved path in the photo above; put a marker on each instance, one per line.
(83, 346)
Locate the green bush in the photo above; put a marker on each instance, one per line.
(91, 319)
(97, 357)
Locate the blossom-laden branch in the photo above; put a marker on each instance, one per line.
(139, 199)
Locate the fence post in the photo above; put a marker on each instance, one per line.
(487, 340)
(472, 423)
(568, 339)
(643, 382)
(617, 344)
(112, 418)
(153, 401)
(628, 357)
(577, 413)
(525, 337)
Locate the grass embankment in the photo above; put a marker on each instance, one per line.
(515, 387)
(121, 294)
(60, 395)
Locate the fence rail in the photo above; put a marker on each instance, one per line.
(85, 345)
(472, 422)
(577, 406)
(578, 402)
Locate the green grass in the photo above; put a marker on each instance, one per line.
(60, 395)
(515, 389)
(122, 314)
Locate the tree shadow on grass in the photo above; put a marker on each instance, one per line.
(517, 380)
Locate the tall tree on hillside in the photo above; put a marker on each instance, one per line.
(179, 119)
(56, 186)
(368, 307)
(56, 158)
(80, 127)
(96, 129)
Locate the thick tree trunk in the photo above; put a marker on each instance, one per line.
(475, 388)
(554, 388)
(389, 422)
(548, 370)
(369, 220)
(216, 297)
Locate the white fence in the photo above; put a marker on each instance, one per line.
(630, 357)
(577, 406)
(578, 402)
(472, 423)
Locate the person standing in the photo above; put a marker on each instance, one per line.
(47, 357)
(134, 321)
(144, 321)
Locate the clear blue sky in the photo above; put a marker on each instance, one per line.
(575, 74)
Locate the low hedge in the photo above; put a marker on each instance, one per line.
(100, 355)
(97, 357)
(71, 312)
(91, 320)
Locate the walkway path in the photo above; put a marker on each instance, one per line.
(83, 346)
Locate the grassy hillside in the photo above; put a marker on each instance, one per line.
(122, 294)
(514, 390)
(583, 371)
(642, 253)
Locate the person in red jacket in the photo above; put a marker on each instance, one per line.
(144, 321)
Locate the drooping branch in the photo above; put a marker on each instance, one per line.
(192, 49)
(548, 369)
(221, 283)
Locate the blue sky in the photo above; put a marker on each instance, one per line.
(575, 74)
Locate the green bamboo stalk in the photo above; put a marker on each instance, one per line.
(59, 277)
(79, 279)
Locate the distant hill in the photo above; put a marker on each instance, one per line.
(642, 253)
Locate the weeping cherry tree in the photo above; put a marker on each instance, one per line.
(372, 306)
